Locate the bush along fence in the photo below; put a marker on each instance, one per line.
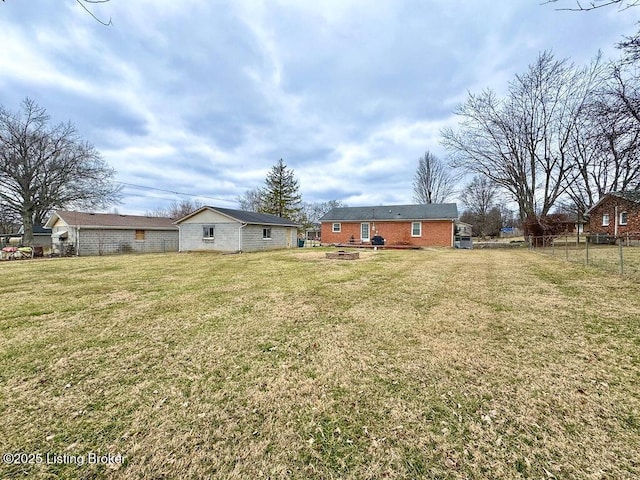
(615, 254)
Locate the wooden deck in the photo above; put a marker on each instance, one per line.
(368, 245)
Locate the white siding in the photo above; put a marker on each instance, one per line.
(109, 241)
(208, 216)
(281, 237)
(97, 241)
(226, 237)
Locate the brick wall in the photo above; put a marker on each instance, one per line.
(608, 206)
(435, 233)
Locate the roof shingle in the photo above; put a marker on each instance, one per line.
(113, 220)
(242, 216)
(432, 211)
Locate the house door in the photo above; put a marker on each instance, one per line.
(364, 232)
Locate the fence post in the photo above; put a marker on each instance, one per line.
(566, 247)
(586, 242)
(621, 256)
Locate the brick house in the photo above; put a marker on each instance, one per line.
(431, 225)
(84, 233)
(616, 214)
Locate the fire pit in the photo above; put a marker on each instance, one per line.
(342, 255)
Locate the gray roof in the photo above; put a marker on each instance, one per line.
(38, 229)
(629, 195)
(111, 220)
(432, 211)
(252, 218)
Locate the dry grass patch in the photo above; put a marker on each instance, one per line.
(402, 364)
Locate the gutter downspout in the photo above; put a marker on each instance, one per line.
(615, 228)
(78, 242)
(453, 232)
(240, 236)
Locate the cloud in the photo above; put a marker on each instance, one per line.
(204, 97)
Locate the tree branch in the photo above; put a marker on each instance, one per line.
(595, 4)
(82, 4)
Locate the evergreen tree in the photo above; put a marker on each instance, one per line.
(281, 195)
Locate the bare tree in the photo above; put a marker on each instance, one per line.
(251, 200)
(433, 182)
(9, 220)
(43, 167)
(177, 209)
(318, 209)
(607, 143)
(479, 197)
(311, 212)
(523, 142)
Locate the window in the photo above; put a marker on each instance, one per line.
(336, 227)
(416, 229)
(266, 233)
(208, 231)
(623, 218)
(605, 220)
(139, 234)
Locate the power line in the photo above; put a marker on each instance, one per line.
(174, 192)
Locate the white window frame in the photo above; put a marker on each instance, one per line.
(413, 224)
(208, 232)
(620, 221)
(266, 233)
(605, 219)
(336, 230)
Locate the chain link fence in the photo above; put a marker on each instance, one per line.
(119, 248)
(614, 254)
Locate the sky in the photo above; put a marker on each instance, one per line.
(203, 97)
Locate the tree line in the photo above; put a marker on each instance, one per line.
(560, 138)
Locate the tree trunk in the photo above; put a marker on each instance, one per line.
(27, 225)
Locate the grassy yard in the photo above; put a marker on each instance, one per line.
(604, 257)
(403, 364)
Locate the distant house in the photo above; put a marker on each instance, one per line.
(616, 214)
(427, 225)
(83, 233)
(463, 237)
(226, 230)
(41, 237)
(312, 232)
(464, 229)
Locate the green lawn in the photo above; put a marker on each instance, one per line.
(402, 364)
